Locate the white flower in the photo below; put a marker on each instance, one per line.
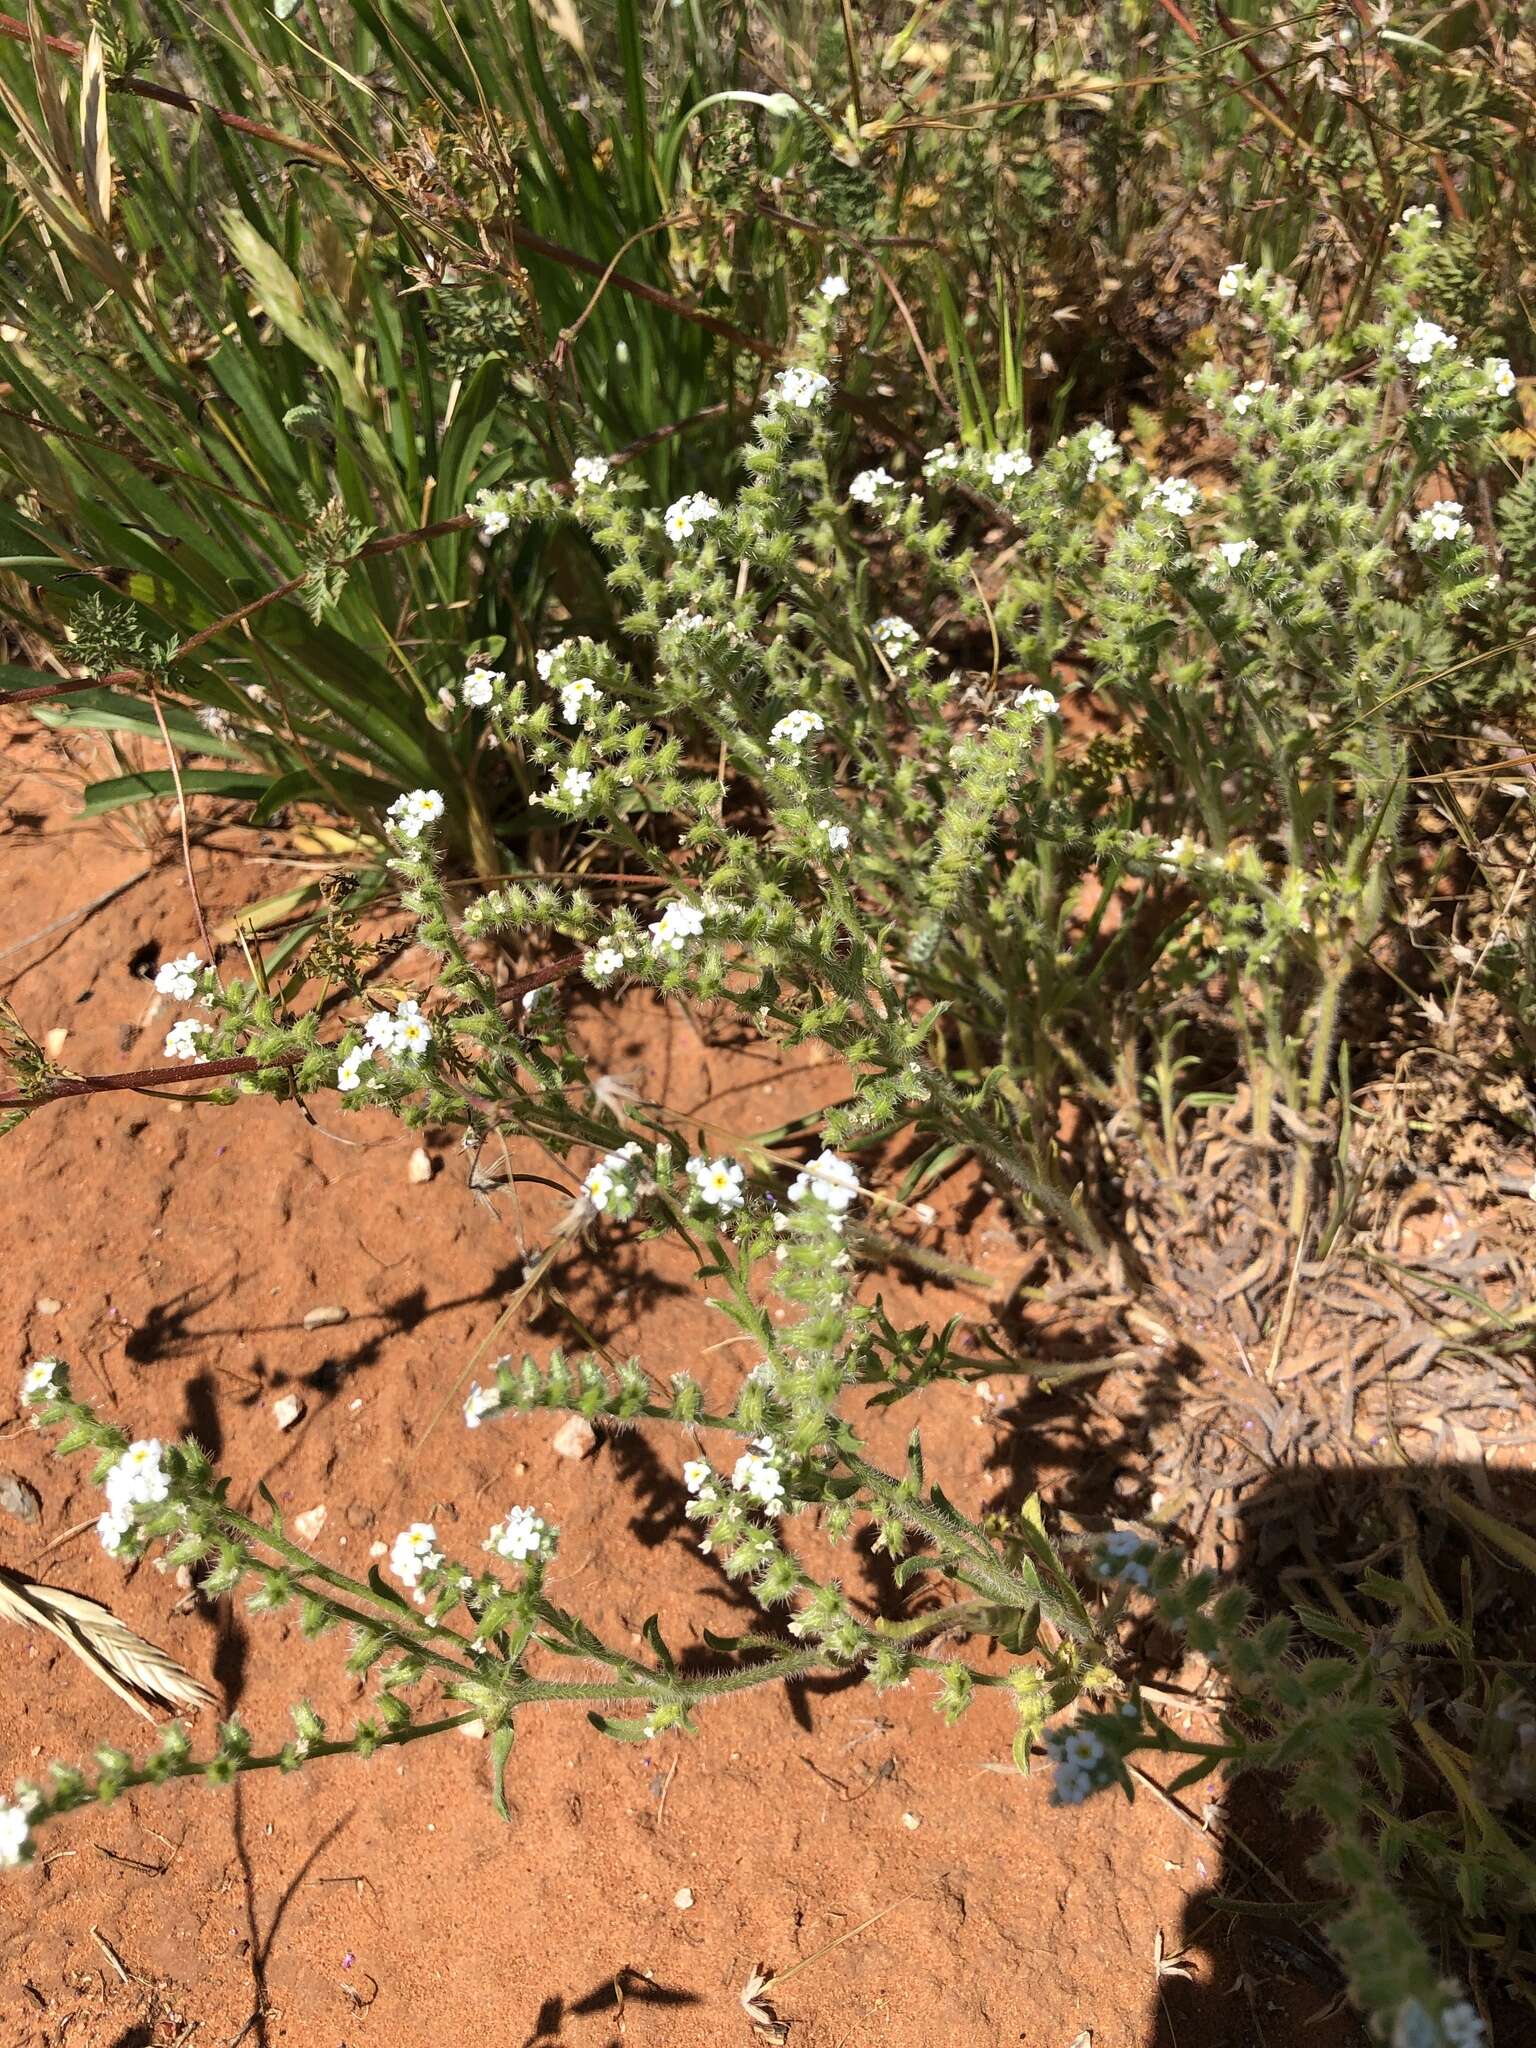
(599, 1186)
(590, 471)
(1103, 449)
(797, 387)
(178, 978)
(482, 1401)
(678, 923)
(941, 461)
(1441, 521)
(685, 515)
(414, 1553)
(522, 1535)
(1500, 376)
(1233, 278)
(138, 1479)
(15, 1836)
(1243, 401)
(1233, 551)
(1428, 214)
(868, 484)
(830, 1179)
(1008, 464)
(1425, 340)
(696, 1475)
(836, 836)
(795, 727)
(1461, 2025)
(1120, 1558)
(349, 1073)
(576, 694)
(412, 1034)
(181, 1040)
(1180, 853)
(894, 637)
(380, 1030)
(479, 687)
(410, 815)
(718, 1183)
(115, 1528)
(494, 521)
(572, 785)
(757, 1476)
(40, 1382)
(1175, 494)
(1037, 700)
(544, 661)
(604, 961)
(833, 287)
(1083, 1748)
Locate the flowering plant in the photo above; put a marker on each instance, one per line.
(886, 838)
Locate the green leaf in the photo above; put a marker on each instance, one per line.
(283, 301)
(157, 782)
(621, 1731)
(502, 1739)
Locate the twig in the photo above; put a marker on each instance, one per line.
(181, 812)
(111, 1954)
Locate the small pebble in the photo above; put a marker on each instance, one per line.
(420, 1167)
(19, 1498)
(53, 1041)
(286, 1410)
(910, 1820)
(322, 1318)
(575, 1438)
(308, 1526)
(46, 1305)
(683, 1900)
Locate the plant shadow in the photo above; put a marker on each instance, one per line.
(612, 1994)
(1250, 1965)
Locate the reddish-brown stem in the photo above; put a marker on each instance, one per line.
(214, 1070)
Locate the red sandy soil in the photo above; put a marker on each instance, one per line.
(171, 1252)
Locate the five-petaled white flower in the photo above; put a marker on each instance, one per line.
(573, 785)
(1008, 464)
(179, 978)
(1039, 700)
(522, 1535)
(590, 471)
(349, 1070)
(1232, 280)
(1500, 376)
(1243, 401)
(575, 696)
(678, 923)
(1439, 522)
(717, 1182)
(795, 727)
(1103, 449)
(547, 657)
(941, 461)
(894, 637)
(828, 1179)
(414, 1553)
(757, 1475)
(181, 1040)
(1233, 551)
(798, 387)
(868, 484)
(684, 516)
(40, 1382)
(837, 836)
(479, 687)
(1425, 340)
(1175, 494)
(412, 814)
(494, 521)
(834, 286)
(603, 962)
